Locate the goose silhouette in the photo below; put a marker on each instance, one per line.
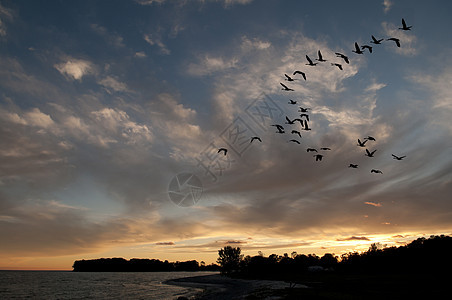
(344, 57)
(376, 41)
(279, 128)
(224, 150)
(299, 72)
(288, 78)
(357, 49)
(310, 62)
(318, 157)
(285, 88)
(396, 40)
(370, 154)
(254, 138)
(320, 57)
(376, 171)
(367, 47)
(404, 27)
(296, 132)
(354, 166)
(362, 144)
(398, 157)
(337, 65)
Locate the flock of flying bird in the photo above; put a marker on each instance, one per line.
(303, 120)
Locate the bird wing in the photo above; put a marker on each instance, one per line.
(403, 23)
(288, 77)
(357, 47)
(309, 60)
(320, 56)
(284, 86)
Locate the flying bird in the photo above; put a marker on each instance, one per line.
(292, 101)
(353, 166)
(325, 148)
(396, 40)
(295, 141)
(357, 49)
(345, 58)
(304, 115)
(224, 150)
(296, 132)
(285, 88)
(320, 57)
(370, 154)
(299, 72)
(311, 150)
(367, 47)
(398, 157)
(376, 171)
(404, 27)
(318, 157)
(310, 61)
(376, 41)
(337, 65)
(362, 144)
(288, 121)
(279, 128)
(255, 138)
(370, 138)
(288, 78)
(303, 109)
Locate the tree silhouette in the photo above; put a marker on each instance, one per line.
(229, 259)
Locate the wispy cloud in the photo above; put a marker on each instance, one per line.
(387, 4)
(157, 41)
(111, 38)
(7, 14)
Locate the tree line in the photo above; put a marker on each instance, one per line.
(423, 255)
(118, 264)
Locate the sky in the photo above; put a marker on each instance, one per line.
(112, 114)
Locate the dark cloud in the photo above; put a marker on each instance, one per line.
(354, 238)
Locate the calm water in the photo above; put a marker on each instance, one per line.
(96, 285)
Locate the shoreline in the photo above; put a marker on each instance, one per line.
(218, 286)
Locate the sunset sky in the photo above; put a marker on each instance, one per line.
(103, 103)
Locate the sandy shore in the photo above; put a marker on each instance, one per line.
(222, 287)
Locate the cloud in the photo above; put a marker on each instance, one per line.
(140, 54)
(387, 4)
(354, 238)
(154, 40)
(7, 14)
(112, 84)
(75, 68)
(208, 65)
(114, 39)
(165, 243)
(373, 204)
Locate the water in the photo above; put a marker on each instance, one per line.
(93, 285)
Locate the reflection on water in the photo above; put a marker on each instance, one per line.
(92, 285)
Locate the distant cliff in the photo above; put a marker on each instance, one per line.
(139, 265)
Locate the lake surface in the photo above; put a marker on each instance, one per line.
(93, 285)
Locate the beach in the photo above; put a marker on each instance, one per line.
(221, 287)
